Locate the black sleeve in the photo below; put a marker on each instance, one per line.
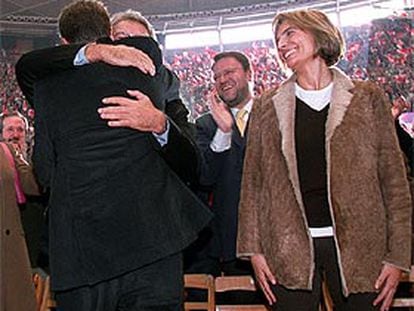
(36, 65)
(181, 152)
(146, 44)
(43, 153)
(211, 162)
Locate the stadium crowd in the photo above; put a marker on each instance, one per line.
(379, 51)
(69, 135)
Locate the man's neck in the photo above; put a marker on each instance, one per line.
(244, 102)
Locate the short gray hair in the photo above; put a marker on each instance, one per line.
(133, 16)
(15, 113)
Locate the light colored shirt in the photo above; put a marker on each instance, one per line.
(80, 57)
(221, 140)
(315, 99)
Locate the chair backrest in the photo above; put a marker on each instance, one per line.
(239, 283)
(203, 282)
(406, 302)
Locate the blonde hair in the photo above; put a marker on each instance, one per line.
(329, 43)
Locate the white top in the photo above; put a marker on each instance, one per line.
(316, 99)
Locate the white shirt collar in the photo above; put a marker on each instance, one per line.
(316, 99)
(248, 107)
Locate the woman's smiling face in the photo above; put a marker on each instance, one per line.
(295, 46)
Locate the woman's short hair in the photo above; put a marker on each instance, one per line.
(328, 38)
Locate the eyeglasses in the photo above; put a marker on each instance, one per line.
(225, 73)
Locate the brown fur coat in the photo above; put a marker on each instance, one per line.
(16, 288)
(368, 192)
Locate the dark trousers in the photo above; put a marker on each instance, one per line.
(216, 267)
(326, 267)
(155, 287)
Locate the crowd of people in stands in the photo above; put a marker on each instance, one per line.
(75, 150)
(379, 51)
(11, 97)
(390, 56)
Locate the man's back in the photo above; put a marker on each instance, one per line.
(67, 105)
(115, 204)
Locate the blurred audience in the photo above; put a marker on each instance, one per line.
(380, 51)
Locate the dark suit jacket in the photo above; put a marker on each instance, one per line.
(114, 204)
(222, 172)
(181, 152)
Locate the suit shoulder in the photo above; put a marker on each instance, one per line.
(146, 44)
(205, 119)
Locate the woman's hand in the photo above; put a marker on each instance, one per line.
(264, 276)
(387, 282)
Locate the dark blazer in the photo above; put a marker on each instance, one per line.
(222, 172)
(181, 152)
(115, 205)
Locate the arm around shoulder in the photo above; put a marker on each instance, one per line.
(38, 64)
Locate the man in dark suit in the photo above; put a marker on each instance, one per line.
(181, 152)
(119, 217)
(221, 137)
(179, 149)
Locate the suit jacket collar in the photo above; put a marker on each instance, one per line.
(236, 138)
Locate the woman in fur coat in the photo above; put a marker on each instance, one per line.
(324, 191)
